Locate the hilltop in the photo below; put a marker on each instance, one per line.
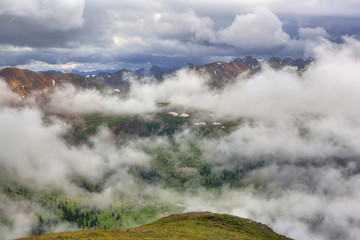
(195, 225)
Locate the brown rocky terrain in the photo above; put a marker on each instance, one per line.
(24, 81)
(221, 72)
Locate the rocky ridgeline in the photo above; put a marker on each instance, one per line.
(24, 81)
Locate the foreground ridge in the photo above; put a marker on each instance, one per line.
(193, 225)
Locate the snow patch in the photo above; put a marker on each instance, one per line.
(184, 115)
(175, 114)
(290, 68)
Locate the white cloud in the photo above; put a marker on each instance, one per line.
(308, 7)
(312, 32)
(137, 32)
(258, 29)
(261, 29)
(8, 98)
(13, 49)
(36, 155)
(50, 15)
(41, 66)
(20, 213)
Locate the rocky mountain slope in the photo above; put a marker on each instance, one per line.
(195, 225)
(24, 81)
(119, 79)
(221, 72)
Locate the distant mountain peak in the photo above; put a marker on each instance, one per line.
(249, 61)
(24, 81)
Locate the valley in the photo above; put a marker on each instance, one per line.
(112, 154)
(179, 119)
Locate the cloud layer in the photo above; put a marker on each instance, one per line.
(116, 34)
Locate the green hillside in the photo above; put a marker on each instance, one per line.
(196, 225)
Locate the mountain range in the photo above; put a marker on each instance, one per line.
(24, 81)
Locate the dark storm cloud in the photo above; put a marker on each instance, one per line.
(335, 26)
(39, 23)
(111, 33)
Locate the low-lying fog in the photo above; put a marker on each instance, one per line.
(305, 128)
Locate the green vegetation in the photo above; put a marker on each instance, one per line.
(78, 213)
(124, 127)
(94, 218)
(179, 166)
(83, 129)
(160, 124)
(13, 190)
(171, 124)
(182, 167)
(203, 225)
(88, 185)
(162, 104)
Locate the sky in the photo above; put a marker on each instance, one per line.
(92, 35)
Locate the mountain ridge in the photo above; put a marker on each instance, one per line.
(23, 81)
(193, 225)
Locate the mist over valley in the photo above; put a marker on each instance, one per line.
(246, 130)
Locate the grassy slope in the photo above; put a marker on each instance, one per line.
(124, 212)
(203, 225)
